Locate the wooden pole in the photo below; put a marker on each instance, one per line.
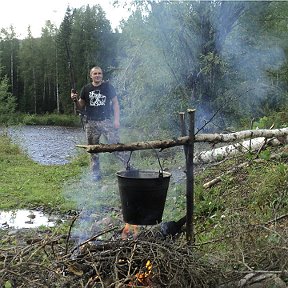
(183, 129)
(162, 144)
(190, 179)
(182, 124)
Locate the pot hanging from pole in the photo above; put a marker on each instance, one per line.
(143, 195)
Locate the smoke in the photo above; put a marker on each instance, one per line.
(203, 55)
(98, 203)
(253, 54)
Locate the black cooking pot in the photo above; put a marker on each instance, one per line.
(143, 195)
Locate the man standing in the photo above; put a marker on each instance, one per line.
(96, 97)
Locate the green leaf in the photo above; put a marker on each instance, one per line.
(8, 284)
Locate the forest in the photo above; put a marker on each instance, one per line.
(226, 59)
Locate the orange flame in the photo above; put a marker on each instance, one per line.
(143, 277)
(127, 229)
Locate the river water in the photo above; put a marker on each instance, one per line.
(48, 145)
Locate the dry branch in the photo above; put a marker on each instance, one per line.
(118, 263)
(218, 179)
(162, 144)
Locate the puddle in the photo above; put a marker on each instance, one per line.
(19, 219)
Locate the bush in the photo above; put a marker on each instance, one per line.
(51, 119)
(276, 119)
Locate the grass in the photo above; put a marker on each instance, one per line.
(239, 216)
(44, 119)
(26, 184)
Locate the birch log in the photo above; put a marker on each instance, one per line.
(217, 154)
(256, 144)
(211, 138)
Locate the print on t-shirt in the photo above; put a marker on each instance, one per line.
(96, 98)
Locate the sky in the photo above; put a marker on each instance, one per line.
(22, 13)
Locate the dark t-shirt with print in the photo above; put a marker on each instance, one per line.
(98, 100)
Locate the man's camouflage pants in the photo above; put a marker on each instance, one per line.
(94, 129)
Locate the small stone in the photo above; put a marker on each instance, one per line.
(12, 232)
(31, 216)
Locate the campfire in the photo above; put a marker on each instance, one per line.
(143, 277)
(128, 229)
(136, 259)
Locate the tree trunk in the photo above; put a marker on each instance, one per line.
(233, 149)
(57, 84)
(34, 91)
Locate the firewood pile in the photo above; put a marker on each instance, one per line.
(44, 258)
(148, 261)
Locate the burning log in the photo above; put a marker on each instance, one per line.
(162, 144)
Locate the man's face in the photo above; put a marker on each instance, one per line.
(96, 75)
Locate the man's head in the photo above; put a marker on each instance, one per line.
(96, 74)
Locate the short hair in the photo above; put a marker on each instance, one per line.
(95, 68)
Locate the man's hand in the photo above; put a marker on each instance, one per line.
(74, 95)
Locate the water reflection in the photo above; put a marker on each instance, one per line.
(25, 219)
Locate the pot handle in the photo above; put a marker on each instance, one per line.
(161, 168)
(128, 167)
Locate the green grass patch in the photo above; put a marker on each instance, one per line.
(25, 183)
(54, 119)
(51, 119)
